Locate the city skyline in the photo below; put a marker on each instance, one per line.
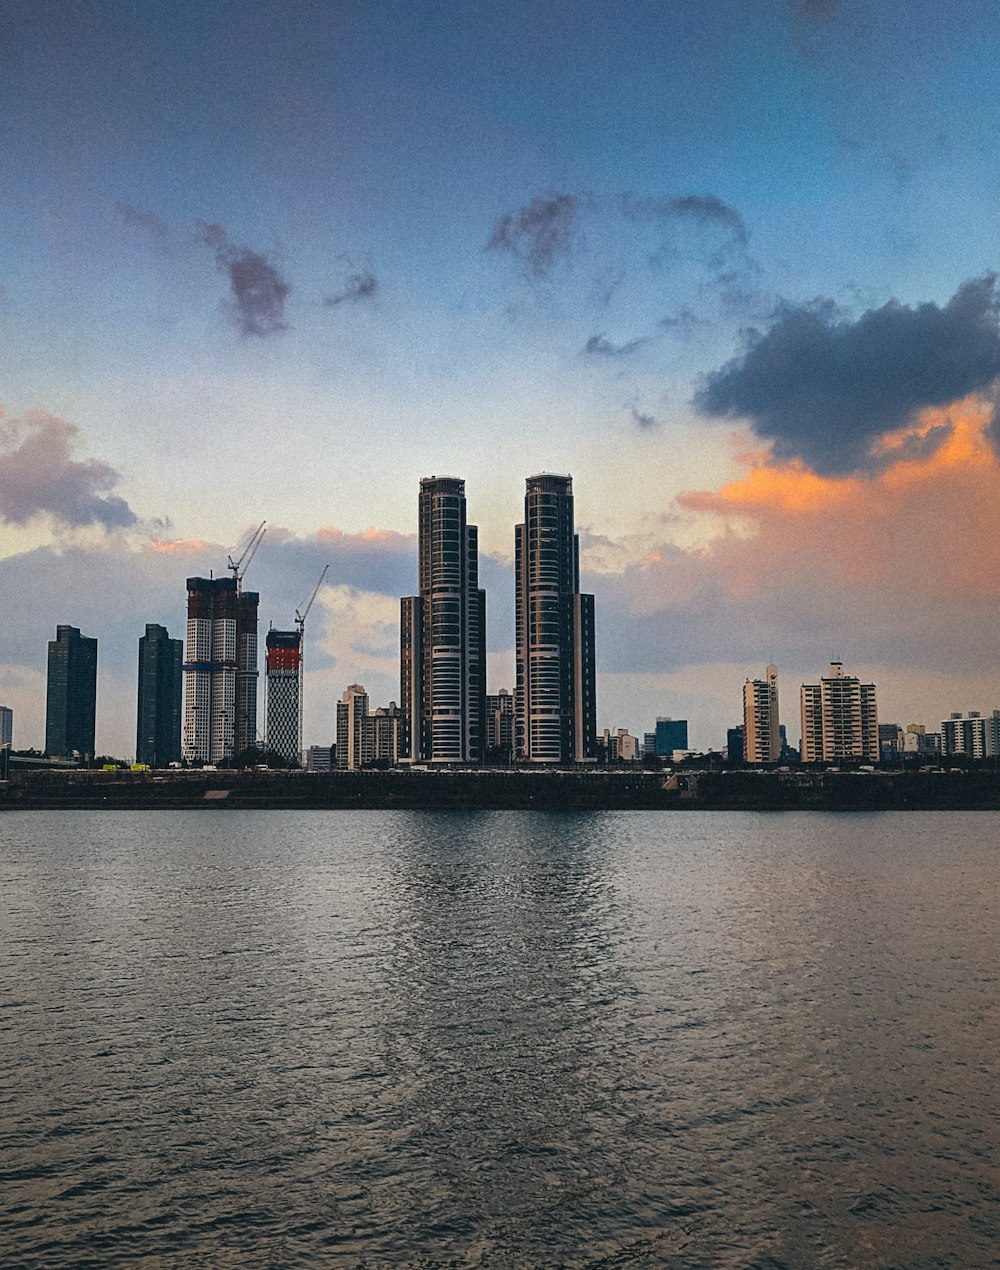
(731, 268)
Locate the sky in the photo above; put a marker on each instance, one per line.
(730, 266)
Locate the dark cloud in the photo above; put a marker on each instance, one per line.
(598, 346)
(38, 475)
(645, 421)
(822, 388)
(702, 209)
(147, 223)
(539, 233)
(259, 292)
(682, 323)
(358, 286)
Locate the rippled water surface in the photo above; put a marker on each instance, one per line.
(372, 1039)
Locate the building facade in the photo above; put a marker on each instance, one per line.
(500, 726)
(971, 735)
(839, 719)
(6, 726)
(71, 696)
(283, 668)
(761, 729)
(158, 714)
(555, 695)
(671, 735)
(365, 738)
(443, 634)
(220, 673)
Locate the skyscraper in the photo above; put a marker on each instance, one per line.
(761, 729)
(839, 718)
(443, 634)
(71, 699)
(555, 703)
(220, 673)
(158, 717)
(6, 726)
(284, 664)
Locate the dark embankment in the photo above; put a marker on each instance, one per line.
(514, 790)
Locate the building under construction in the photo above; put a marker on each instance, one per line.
(284, 660)
(220, 672)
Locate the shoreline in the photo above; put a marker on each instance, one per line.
(503, 790)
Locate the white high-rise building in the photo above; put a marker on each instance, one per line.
(220, 672)
(6, 726)
(839, 719)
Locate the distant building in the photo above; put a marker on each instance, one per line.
(500, 726)
(364, 738)
(352, 708)
(649, 745)
(158, 713)
(283, 677)
(318, 758)
(621, 747)
(972, 735)
(220, 673)
(761, 730)
(443, 634)
(555, 695)
(917, 740)
(71, 698)
(891, 741)
(671, 734)
(734, 744)
(6, 726)
(839, 719)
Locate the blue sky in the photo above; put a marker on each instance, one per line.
(656, 179)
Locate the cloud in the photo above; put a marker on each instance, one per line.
(258, 290)
(645, 421)
(823, 388)
(358, 286)
(702, 209)
(598, 346)
(147, 223)
(538, 234)
(682, 323)
(39, 476)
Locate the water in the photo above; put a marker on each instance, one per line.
(375, 1039)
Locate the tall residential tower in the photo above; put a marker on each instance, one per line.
(555, 703)
(71, 699)
(761, 729)
(158, 716)
(839, 719)
(443, 634)
(220, 674)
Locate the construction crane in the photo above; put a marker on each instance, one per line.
(239, 567)
(300, 622)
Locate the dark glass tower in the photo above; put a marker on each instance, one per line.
(158, 719)
(555, 703)
(71, 698)
(443, 634)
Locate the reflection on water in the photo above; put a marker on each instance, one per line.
(499, 1039)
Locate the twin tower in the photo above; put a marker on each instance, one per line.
(443, 633)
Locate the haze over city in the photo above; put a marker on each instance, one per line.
(731, 269)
